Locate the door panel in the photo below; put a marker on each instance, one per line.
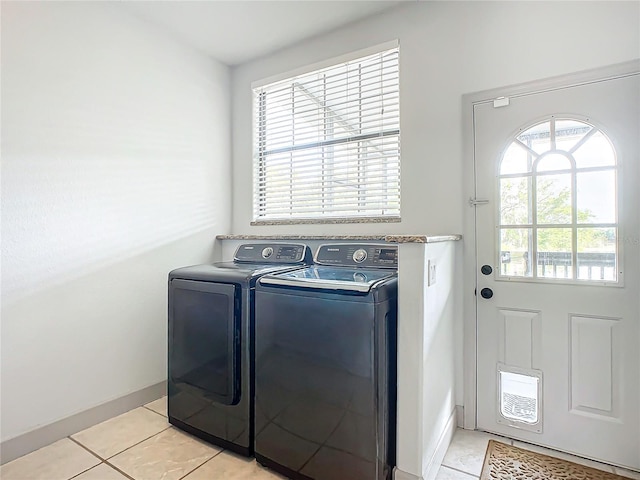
(558, 357)
(204, 339)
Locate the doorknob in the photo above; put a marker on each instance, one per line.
(486, 293)
(486, 269)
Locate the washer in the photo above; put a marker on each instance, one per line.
(211, 317)
(326, 365)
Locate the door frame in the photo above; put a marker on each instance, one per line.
(470, 266)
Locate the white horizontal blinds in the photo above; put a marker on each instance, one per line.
(327, 143)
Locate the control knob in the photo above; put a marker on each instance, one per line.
(360, 255)
(267, 252)
(359, 277)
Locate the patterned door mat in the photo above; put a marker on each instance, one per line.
(506, 462)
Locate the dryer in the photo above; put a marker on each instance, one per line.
(211, 319)
(326, 365)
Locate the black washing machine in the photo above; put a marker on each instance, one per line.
(211, 318)
(326, 366)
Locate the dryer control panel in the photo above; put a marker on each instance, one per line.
(358, 255)
(272, 253)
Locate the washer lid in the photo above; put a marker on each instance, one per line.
(329, 278)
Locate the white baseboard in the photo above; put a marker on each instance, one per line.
(400, 475)
(431, 472)
(43, 436)
(460, 416)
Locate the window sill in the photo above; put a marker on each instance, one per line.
(311, 221)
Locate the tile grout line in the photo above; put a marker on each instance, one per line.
(122, 472)
(157, 413)
(86, 448)
(199, 440)
(106, 460)
(203, 463)
(460, 471)
(492, 437)
(84, 471)
(102, 461)
(138, 443)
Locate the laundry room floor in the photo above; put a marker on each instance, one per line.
(141, 445)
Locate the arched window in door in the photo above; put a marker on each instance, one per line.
(558, 203)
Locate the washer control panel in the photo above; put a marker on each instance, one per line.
(272, 253)
(358, 254)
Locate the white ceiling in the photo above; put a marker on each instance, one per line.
(235, 32)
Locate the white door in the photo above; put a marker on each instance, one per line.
(558, 243)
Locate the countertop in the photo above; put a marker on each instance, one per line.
(382, 238)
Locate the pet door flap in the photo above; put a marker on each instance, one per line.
(520, 397)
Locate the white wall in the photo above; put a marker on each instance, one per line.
(447, 49)
(426, 360)
(115, 169)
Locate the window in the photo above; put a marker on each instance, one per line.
(558, 203)
(327, 144)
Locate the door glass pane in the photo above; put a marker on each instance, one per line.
(515, 160)
(553, 161)
(537, 138)
(201, 357)
(595, 152)
(553, 194)
(569, 133)
(515, 201)
(515, 252)
(565, 191)
(596, 197)
(554, 253)
(597, 254)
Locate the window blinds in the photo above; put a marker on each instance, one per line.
(327, 143)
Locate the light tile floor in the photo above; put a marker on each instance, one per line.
(141, 445)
